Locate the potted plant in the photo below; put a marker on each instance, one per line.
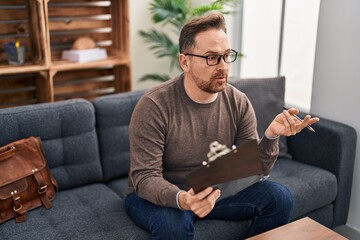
(175, 13)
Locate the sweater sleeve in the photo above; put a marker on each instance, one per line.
(269, 151)
(147, 133)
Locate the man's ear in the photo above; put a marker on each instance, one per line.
(184, 62)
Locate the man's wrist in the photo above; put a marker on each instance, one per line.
(178, 199)
(270, 136)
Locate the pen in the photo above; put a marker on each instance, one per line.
(295, 116)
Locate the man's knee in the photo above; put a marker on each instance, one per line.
(178, 226)
(282, 198)
(286, 198)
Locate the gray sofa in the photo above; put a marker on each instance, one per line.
(87, 149)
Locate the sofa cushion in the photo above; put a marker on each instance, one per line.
(119, 186)
(95, 212)
(313, 187)
(67, 130)
(89, 212)
(113, 113)
(267, 97)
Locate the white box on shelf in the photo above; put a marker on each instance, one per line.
(86, 55)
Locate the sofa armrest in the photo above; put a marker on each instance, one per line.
(333, 148)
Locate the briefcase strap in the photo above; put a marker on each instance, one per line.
(42, 188)
(18, 207)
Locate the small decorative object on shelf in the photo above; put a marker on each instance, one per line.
(15, 52)
(86, 55)
(83, 43)
(84, 50)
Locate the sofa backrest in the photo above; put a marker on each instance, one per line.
(113, 113)
(67, 130)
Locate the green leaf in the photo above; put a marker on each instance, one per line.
(230, 3)
(169, 11)
(218, 5)
(201, 10)
(158, 41)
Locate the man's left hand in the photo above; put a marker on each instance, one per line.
(285, 124)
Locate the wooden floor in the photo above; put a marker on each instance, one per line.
(348, 232)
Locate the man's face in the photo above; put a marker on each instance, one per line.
(210, 79)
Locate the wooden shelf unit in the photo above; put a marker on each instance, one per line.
(47, 27)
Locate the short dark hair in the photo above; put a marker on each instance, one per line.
(200, 24)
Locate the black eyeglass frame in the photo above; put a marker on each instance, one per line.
(219, 57)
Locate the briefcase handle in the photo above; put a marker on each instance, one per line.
(8, 153)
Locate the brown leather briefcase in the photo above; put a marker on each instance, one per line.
(25, 179)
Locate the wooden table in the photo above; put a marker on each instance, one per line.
(304, 229)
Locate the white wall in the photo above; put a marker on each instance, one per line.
(298, 51)
(143, 61)
(261, 40)
(336, 82)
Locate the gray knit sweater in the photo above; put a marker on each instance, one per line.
(170, 136)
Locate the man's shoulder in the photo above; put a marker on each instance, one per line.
(164, 88)
(235, 98)
(234, 92)
(162, 94)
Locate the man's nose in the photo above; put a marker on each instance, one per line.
(222, 64)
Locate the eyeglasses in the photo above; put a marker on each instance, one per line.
(213, 60)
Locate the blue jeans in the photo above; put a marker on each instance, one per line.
(267, 204)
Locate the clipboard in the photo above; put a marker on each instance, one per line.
(232, 172)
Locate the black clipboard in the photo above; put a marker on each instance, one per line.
(242, 166)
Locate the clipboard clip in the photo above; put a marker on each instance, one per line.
(216, 150)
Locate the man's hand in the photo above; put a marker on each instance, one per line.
(201, 203)
(285, 124)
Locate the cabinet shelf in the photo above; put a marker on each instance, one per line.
(63, 65)
(24, 68)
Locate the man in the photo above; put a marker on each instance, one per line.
(170, 132)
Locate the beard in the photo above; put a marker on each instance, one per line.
(217, 82)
